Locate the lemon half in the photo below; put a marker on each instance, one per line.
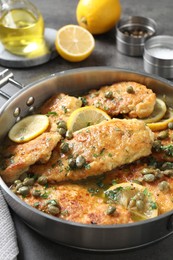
(86, 116)
(136, 198)
(74, 43)
(28, 128)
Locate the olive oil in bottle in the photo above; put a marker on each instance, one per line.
(22, 31)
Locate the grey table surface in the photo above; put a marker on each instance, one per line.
(57, 13)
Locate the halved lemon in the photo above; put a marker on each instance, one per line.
(86, 116)
(74, 43)
(28, 128)
(159, 111)
(163, 123)
(136, 198)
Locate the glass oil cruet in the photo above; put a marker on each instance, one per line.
(22, 28)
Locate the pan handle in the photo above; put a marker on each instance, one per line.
(7, 76)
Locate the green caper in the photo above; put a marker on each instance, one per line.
(64, 147)
(170, 125)
(163, 135)
(130, 90)
(42, 180)
(109, 94)
(69, 134)
(72, 163)
(28, 181)
(62, 124)
(84, 101)
(168, 172)
(157, 145)
(149, 177)
(146, 171)
(19, 185)
(164, 186)
(53, 209)
(62, 131)
(139, 204)
(80, 161)
(17, 182)
(24, 190)
(110, 210)
(36, 193)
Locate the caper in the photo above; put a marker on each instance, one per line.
(130, 90)
(168, 173)
(80, 161)
(28, 181)
(62, 131)
(163, 135)
(17, 182)
(42, 180)
(64, 147)
(149, 177)
(62, 124)
(84, 101)
(53, 209)
(164, 186)
(140, 195)
(139, 204)
(109, 94)
(69, 134)
(24, 190)
(110, 210)
(146, 171)
(72, 163)
(170, 125)
(19, 185)
(157, 145)
(53, 202)
(36, 193)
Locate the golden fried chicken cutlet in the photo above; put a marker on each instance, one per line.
(59, 107)
(97, 149)
(127, 98)
(18, 157)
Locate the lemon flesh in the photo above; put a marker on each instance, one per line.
(74, 43)
(28, 128)
(134, 197)
(159, 111)
(86, 116)
(163, 123)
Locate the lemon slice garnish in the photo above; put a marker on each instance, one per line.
(158, 113)
(86, 116)
(134, 197)
(74, 43)
(28, 128)
(163, 123)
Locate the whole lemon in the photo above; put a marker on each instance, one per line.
(98, 16)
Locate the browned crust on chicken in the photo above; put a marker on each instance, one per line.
(104, 146)
(18, 157)
(138, 102)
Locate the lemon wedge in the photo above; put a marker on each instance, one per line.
(86, 116)
(158, 112)
(28, 128)
(163, 123)
(74, 43)
(136, 198)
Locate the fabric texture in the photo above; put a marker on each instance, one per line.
(8, 240)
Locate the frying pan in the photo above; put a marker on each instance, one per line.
(88, 237)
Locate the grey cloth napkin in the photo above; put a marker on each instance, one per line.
(8, 240)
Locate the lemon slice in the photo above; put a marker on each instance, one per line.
(74, 43)
(158, 113)
(28, 128)
(163, 123)
(86, 116)
(136, 198)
